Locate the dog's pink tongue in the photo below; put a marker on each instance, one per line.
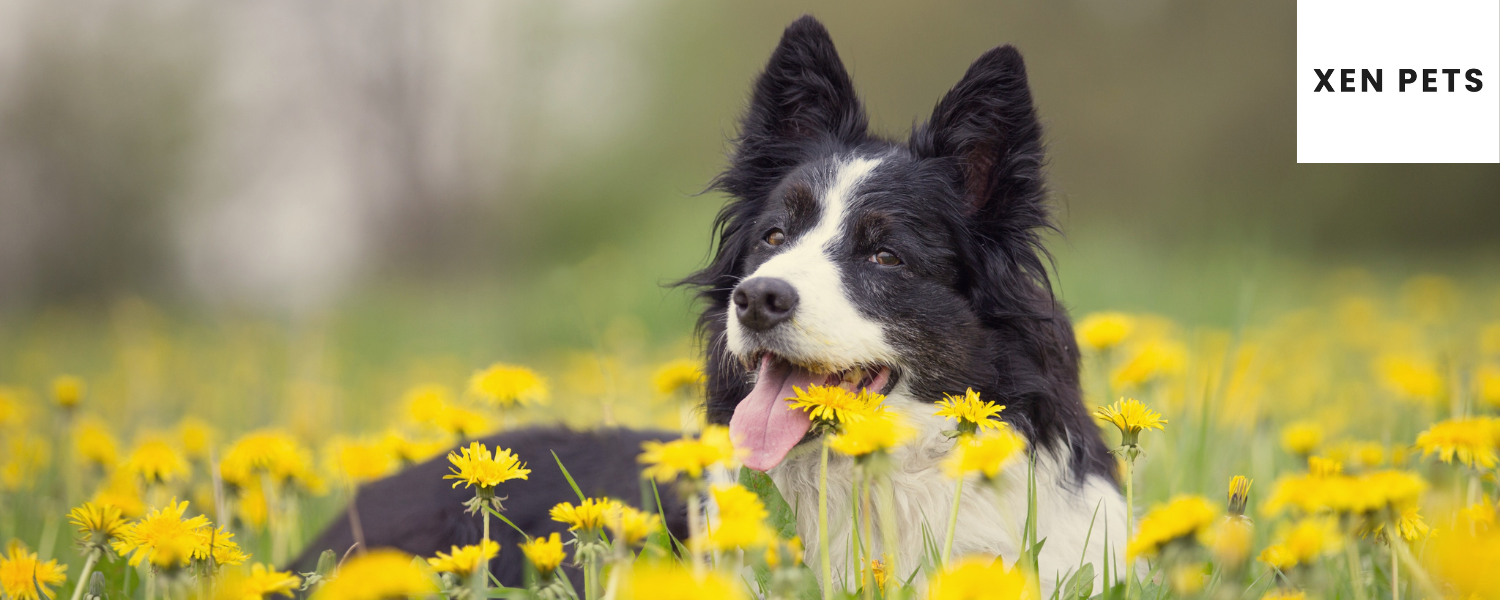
(764, 426)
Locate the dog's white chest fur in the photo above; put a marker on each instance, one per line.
(1073, 517)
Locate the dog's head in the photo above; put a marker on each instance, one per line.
(845, 259)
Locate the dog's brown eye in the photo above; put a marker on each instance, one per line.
(885, 257)
(775, 237)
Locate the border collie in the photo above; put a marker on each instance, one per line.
(911, 269)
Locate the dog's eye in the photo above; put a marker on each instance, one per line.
(775, 237)
(886, 258)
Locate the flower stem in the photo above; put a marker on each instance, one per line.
(888, 532)
(1395, 571)
(1417, 573)
(83, 578)
(1129, 517)
(1356, 580)
(958, 494)
(695, 532)
(150, 583)
(485, 569)
(824, 558)
(864, 511)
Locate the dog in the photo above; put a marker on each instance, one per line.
(910, 269)
(913, 269)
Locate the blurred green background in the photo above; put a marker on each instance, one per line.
(492, 180)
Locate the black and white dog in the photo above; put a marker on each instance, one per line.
(913, 269)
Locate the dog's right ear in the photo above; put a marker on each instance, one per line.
(803, 97)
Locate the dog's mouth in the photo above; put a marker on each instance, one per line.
(766, 428)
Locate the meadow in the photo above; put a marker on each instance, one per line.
(1343, 447)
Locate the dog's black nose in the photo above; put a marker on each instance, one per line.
(762, 302)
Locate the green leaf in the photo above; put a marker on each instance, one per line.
(781, 517)
(507, 522)
(565, 473)
(1081, 585)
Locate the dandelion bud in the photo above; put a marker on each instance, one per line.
(1239, 494)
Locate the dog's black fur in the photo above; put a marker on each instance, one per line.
(418, 512)
(963, 204)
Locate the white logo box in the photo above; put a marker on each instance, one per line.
(1394, 126)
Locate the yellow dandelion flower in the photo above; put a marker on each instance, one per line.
(13, 412)
(379, 574)
(879, 571)
(409, 450)
(22, 575)
(1471, 440)
(833, 404)
(1182, 517)
(24, 458)
(97, 524)
(588, 515)
(1361, 494)
(361, 460)
(1152, 361)
(94, 444)
(466, 560)
(788, 551)
(68, 390)
(630, 525)
(260, 581)
(654, 581)
(463, 422)
(219, 545)
(197, 437)
(425, 402)
(1410, 377)
(252, 506)
(163, 537)
(1229, 541)
(1302, 438)
(878, 432)
(667, 460)
(1323, 467)
(1366, 455)
(1487, 384)
(677, 376)
(1187, 579)
(1410, 525)
(156, 461)
(1480, 516)
(267, 451)
(544, 553)
(1456, 558)
(476, 466)
(1284, 594)
(123, 492)
(980, 578)
(1239, 494)
(509, 385)
(1303, 542)
(972, 413)
(742, 520)
(1104, 330)
(986, 453)
(1131, 417)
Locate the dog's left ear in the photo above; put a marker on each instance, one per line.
(987, 124)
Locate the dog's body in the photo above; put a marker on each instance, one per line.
(910, 269)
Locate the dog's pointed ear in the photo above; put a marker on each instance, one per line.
(987, 132)
(988, 126)
(803, 96)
